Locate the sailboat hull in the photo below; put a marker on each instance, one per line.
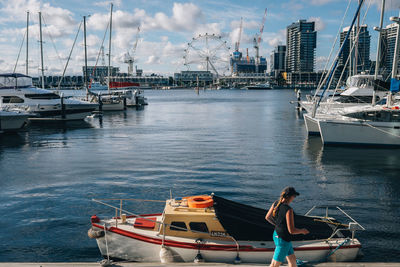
(360, 133)
(311, 125)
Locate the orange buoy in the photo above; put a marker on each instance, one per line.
(200, 201)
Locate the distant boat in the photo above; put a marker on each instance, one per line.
(17, 91)
(260, 86)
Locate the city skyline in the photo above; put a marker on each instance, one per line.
(166, 27)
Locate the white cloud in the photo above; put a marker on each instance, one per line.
(321, 2)
(60, 18)
(185, 17)
(153, 60)
(319, 23)
(116, 3)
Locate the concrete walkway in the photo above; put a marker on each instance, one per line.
(137, 264)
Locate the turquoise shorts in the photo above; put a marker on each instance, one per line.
(283, 248)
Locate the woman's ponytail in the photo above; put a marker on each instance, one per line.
(281, 199)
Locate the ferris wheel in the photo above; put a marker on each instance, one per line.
(207, 52)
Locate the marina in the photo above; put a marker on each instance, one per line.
(57, 217)
(227, 140)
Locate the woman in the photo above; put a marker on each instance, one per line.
(281, 215)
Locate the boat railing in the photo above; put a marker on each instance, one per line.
(352, 226)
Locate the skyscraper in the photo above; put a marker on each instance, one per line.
(360, 54)
(301, 43)
(278, 58)
(387, 49)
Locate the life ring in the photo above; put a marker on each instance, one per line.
(200, 201)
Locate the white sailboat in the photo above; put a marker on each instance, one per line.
(375, 125)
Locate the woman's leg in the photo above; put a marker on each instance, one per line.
(291, 259)
(275, 263)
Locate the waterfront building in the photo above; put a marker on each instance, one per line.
(362, 49)
(387, 49)
(302, 79)
(277, 62)
(100, 73)
(190, 78)
(243, 79)
(301, 42)
(73, 82)
(242, 65)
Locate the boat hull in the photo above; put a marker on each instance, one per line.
(12, 122)
(113, 106)
(130, 246)
(311, 125)
(360, 133)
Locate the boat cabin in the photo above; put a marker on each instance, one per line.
(184, 220)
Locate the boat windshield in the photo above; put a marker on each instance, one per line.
(42, 96)
(14, 80)
(360, 81)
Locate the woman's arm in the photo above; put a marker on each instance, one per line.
(290, 224)
(268, 217)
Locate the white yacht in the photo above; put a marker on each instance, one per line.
(16, 91)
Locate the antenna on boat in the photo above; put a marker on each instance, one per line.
(86, 69)
(41, 47)
(27, 43)
(378, 54)
(109, 47)
(170, 193)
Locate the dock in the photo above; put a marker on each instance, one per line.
(157, 264)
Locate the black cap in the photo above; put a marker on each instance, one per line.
(290, 191)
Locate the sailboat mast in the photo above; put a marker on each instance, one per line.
(86, 69)
(109, 48)
(41, 47)
(27, 43)
(357, 36)
(378, 50)
(396, 50)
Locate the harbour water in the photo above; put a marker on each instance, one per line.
(243, 145)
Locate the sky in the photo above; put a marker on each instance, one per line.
(166, 28)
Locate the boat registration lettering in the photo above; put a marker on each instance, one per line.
(219, 233)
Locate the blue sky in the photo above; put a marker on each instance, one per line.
(166, 28)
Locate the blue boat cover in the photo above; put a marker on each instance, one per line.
(394, 85)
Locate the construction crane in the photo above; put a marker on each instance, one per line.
(129, 56)
(257, 40)
(237, 44)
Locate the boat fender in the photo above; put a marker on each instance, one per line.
(237, 260)
(94, 234)
(199, 258)
(166, 255)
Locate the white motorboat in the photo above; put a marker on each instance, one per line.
(11, 121)
(215, 229)
(16, 91)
